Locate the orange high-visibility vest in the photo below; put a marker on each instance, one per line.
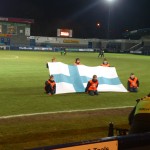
(51, 83)
(93, 85)
(76, 64)
(133, 83)
(105, 65)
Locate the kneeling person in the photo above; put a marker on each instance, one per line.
(92, 85)
(133, 83)
(50, 86)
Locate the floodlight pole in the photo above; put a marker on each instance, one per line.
(108, 24)
(109, 15)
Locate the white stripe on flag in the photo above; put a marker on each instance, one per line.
(107, 72)
(58, 68)
(68, 86)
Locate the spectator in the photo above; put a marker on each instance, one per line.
(133, 83)
(77, 62)
(50, 86)
(92, 86)
(105, 63)
(139, 118)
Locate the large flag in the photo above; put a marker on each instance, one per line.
(70, 78)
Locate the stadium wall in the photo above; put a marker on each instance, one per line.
(118, 45)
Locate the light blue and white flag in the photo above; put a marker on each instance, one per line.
(70, 78)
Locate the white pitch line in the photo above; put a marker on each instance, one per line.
(58, 112)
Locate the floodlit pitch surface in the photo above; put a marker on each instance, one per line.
(30, 118)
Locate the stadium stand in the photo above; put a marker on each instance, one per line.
(2, 46)
(140, 48)
(136, 34)
(15, 35)
(113, 47)
(15, 31)
(146, 50)
(135, 48)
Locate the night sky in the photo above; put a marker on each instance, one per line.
(81, 16)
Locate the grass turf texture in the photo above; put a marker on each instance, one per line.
(22, 78)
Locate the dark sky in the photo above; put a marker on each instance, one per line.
(80, 15)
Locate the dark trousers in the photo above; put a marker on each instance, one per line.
(92, 93)
(48, 89)
(101, 54)
(133, 89)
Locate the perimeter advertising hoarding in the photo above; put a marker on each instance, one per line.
(71, 41)
(111, 145)
(5, 35)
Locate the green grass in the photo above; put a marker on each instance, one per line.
(22, 77)
(22, 82)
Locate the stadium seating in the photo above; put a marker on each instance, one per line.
(146, 50)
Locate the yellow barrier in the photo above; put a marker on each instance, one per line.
(111, 145)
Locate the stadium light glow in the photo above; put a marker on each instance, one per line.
(109, 14)
(110, 1)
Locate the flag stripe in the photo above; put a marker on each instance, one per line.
(75, 78)
(69, 79)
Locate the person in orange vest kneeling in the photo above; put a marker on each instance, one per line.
(50, 86)
(77, 62)
(133, 83)
(105, 63)
(92, 86)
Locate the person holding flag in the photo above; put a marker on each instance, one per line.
(50, 86)
(92, 86)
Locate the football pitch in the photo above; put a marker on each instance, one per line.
(22, 78)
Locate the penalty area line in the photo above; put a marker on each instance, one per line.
(58, 112)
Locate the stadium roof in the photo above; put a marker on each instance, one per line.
(17, 20)
(137, 33)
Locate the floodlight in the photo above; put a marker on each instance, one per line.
(110, 0)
